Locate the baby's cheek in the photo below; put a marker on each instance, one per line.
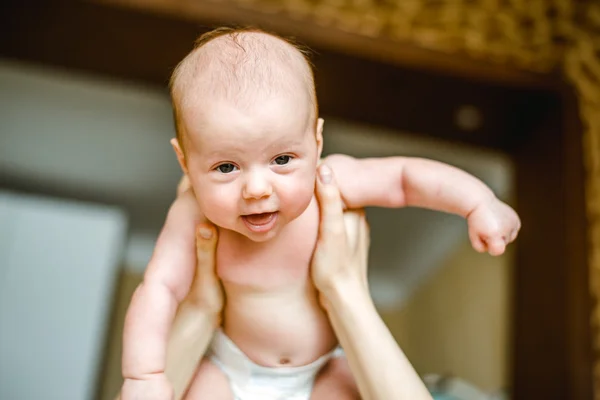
(298, 196)
(216, 206)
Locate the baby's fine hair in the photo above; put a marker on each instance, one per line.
(240, 64)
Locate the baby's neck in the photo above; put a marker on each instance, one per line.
(282, 261)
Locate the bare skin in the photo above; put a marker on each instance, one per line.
(339, 272)
(253, 171)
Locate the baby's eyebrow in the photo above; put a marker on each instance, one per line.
(224, 149)
(234, 150)
(211, 156)
(221, 154)
(289, 142)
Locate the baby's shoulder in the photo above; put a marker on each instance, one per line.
(346, 169)
(186, 210)
(338, 161)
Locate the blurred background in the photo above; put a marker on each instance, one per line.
(70, 133)
(87, 175)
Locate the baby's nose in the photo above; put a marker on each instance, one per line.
(257, 186)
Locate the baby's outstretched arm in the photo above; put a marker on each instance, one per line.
(403, 181)
(166, 283)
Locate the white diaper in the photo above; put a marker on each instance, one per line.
(249, 381)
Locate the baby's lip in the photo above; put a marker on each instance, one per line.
(260, 222)
(258, 213)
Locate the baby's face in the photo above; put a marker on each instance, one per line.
(253, 169)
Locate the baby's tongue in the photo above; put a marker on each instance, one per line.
(259, 219)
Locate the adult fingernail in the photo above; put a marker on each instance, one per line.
(205, 232)
(325, 174)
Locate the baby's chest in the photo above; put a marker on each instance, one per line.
(280, 262)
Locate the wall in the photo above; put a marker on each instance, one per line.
(58, 264)
(458, 322)
(76, 135)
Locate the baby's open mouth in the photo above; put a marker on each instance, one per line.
(260, 222)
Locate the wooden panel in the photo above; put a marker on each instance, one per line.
(330, 38)
(123, 43)
(552, 352)
(579, 301)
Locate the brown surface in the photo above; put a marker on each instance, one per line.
(552, 353)
(111, 380)
(579, 350)
(126, 44)
(458, 321)
(552, 356)
(330, 38)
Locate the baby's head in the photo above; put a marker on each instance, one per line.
(248, 132)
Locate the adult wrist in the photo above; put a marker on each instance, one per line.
(192, 316)
(208, 307)
(343, 292)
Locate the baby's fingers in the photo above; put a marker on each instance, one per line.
(478, 244)
(496, 246)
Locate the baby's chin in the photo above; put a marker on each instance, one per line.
(260, 238)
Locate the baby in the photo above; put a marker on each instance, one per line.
(249, 139)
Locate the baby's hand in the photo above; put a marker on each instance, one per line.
(492, 226)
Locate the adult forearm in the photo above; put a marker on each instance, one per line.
(190, 337)
(379, 366)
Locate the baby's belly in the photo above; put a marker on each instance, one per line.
(271, 310)
(278, 329)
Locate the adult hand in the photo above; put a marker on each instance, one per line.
(343, 245)
(339, 272)
(197, 316)
(206, 290)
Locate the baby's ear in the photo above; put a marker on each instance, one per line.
(179, 154)
(319, 137)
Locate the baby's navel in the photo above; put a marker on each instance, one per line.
(284, 361)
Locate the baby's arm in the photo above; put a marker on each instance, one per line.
(403, 181)
(166, 282)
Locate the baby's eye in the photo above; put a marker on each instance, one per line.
(226, 168)
(282, 160)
